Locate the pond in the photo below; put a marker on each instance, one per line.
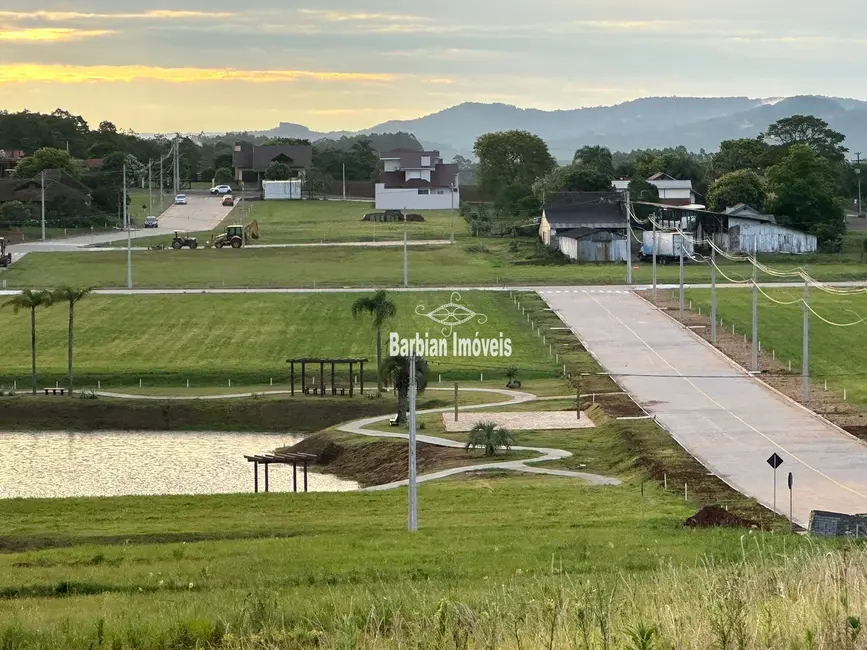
(97, 464)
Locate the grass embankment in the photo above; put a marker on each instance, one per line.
(837, 354)
(211, 339)
(837, 357)
(497, 563)
(265, 414)
(481, 263)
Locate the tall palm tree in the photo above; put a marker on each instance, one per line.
(32, 300)
(490, 436)
(72, 296)
(380, 306)
(396, 371)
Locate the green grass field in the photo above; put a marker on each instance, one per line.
(464, 264)
(837, 354)
(285, 570)
(247, 338)
(304, 222)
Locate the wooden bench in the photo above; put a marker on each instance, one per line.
(55, 391)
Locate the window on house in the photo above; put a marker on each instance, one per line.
(424, 191)
(425, 161)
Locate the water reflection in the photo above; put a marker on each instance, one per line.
(133, 463)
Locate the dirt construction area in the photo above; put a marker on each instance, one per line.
(519, 421)
(728, 420)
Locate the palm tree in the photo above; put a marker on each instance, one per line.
(396, 370)
(512, 376)
(30, 299)
(491, 437)
(72, 296)
(381, 308)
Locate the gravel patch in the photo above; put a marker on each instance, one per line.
(519, 421)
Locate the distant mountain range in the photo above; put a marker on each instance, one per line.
(654, 122)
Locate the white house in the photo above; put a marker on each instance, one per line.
(417, 180)
(751, 231)
(671, 190)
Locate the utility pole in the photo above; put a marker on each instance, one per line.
(150, 186)
(653, 221)
(344, 181)
(805, 370)
(413, 487)
(177, 164)
(42, 183)
(628, 241)
(128, 235)
(405, 261)
(755, 310)
(162, 183)
(713, 295)
(453, 211)
(858, 173)
(681, 275)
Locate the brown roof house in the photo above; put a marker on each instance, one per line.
(417, 180)
(250, 161)
(57, 184)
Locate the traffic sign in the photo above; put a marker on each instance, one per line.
(790, 480)
(775, 461)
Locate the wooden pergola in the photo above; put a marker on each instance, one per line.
(320, 389)
(287, 458)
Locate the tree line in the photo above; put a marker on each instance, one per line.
(797, 170)
(61, 140)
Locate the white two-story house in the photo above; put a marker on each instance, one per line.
(671, 191)
(417, 180)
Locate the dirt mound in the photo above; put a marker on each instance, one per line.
(713, 516)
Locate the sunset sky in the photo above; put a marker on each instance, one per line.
(191, 65)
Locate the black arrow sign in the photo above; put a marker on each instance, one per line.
(775, 461)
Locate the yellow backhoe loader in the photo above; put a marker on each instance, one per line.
(236, 236)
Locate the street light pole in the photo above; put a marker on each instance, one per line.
(150, 187)
(405, 252)
(128, 235)
(755, 312)
(42, 183)
(805, 370)
(654, 260)
(628, 241)
(681, 275)
(713, 295)
(413, 487)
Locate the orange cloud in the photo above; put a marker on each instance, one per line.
(30, 72)
(51, 34)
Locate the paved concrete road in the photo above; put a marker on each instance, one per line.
(731, 422)
(203, 212)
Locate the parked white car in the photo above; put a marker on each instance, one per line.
(221, 189)
(181, 199)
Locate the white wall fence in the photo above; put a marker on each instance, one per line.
(409, 198)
